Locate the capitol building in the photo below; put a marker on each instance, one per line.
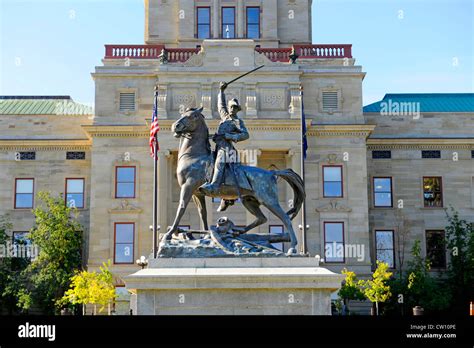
(373, 173)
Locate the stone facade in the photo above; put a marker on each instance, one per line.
(339, 135)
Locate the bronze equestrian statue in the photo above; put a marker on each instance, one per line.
(231, 130)
(254, 186)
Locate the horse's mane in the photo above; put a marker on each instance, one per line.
(195, 110)
(208, 143)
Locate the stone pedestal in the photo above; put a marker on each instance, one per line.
(233, 286)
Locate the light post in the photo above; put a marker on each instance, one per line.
(303, 233)
(142, 262)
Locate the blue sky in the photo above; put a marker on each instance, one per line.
(51, 47)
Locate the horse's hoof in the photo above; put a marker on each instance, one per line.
(172, 231)
(189, 236)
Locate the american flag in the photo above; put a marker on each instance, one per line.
(154, 127)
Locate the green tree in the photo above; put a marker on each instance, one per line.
(11, 269)
(59, 238)
(377, 289)
(349, 289)
(418, 287)
(422, 288)
(92, 288)
(460, 275)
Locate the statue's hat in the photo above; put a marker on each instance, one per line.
(235, 102)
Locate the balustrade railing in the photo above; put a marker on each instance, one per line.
(175, 55)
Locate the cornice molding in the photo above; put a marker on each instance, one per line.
(45, 144)
(353, 130)
(112, 131)
(259, 125)
(416, 143)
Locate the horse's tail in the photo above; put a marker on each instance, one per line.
(297, 184)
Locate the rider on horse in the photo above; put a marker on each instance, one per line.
(231, 129)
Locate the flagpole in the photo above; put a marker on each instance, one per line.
(303, 152)
(155, 187)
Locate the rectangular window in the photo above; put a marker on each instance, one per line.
(277, 229)
(432, 192)
(75, 193)
(330, 101)
(332, 181)
(383, 192)
(124, 242)
(127, 101)
(24, 193)
(21, 245)
(384, 247)
(228, 22)
(125, 182)
(203, 22)
(472, 153)
(27, 156)
(382, 154)
(334, 241)
(436, 248)
(253, 22)
(75, 155)
(430, 154)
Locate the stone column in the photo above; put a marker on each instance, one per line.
(186, 26)
(164, 185)
(295, 101)
(215, 18)
(162, 101)
(240, 19)
(206, 100)
(294, 162)
(251, 100)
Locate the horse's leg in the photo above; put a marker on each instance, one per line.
(200, 201)
(253, 206)
(184, 198)
(275, 208)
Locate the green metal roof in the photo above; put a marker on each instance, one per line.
(428, 102)
(42, 105)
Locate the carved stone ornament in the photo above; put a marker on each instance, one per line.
(332, 158)
(261, 59)
(334, 206)
(195, 60)
(125, 207)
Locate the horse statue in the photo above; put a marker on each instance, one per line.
(195, 163)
